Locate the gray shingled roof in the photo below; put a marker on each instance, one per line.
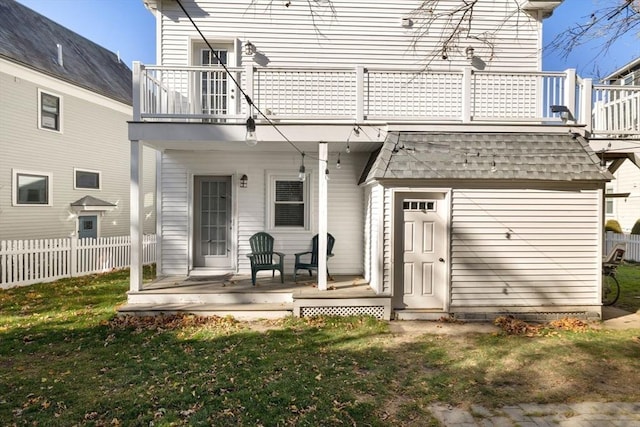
(92, 201)
(517, 156)
(30, 39)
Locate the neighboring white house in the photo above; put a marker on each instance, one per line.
(64, 162)
(625, 208)
(457, 180)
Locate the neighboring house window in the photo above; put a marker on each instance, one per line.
(608, 201)
(86, 179)
(31, 188)
(288, 202)
(50, 111)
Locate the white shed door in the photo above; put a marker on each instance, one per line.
(423, 254)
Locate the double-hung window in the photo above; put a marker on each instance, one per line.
(86, 179)
(288, 202)
(50, 111)
(31, 188)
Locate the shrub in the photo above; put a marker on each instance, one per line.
(636, 227)
(613, 225)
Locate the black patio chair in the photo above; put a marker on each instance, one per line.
(312, 264)
(262, 256)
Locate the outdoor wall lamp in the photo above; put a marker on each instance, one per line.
(249, 48)
(243, 181)
(565, 113)
(250, 137)
(469, 51)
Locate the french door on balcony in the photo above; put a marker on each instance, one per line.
(216, 88)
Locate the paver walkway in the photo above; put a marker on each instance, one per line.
(587, 414)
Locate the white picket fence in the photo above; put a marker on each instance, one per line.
(632, 241)
(24, 262)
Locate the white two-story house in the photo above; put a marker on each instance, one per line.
(64, 153)
(625, 208)
(456, 176)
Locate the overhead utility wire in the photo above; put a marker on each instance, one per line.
(235, 82)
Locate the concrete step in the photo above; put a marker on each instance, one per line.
(238, 311)
(240, 297)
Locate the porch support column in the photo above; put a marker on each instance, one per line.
(323, 166)
(137, 214)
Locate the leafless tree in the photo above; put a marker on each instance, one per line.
(606, 26)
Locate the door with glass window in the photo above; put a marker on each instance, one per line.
(421, 249)
(88, 227)
(216, 88)
(212, 222)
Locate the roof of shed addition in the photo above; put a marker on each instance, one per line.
(458, 155)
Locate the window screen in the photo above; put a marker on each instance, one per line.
(289, 204)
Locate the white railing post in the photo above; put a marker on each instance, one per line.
(359, 94)
(570, 92)
(586, 109)
(466, 94)
(136, 90)
(73, 256)
(248, 89)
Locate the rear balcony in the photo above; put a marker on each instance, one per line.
(361, 95)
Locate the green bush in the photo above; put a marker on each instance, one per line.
(636, 227)
(613, 225)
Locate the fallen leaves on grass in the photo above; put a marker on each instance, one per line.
(513, 326)
(168, 322)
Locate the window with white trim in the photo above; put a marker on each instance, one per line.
(86, 179)
(49, 111)
(608, 201)
(288, 202)
(31, 188)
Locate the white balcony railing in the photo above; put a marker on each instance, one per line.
(184, 94)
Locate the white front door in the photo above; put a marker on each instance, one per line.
(421, 279)
(212, 215)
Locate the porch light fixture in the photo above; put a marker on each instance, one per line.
(243, 181)
(250, 138)
(356, 130)
(469, 51)
(603, 162)
(302, 175)
(565, 113)
(249, 48)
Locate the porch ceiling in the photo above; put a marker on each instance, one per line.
(231, 137)
(485, 156)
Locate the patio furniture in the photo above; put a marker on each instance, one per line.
(262, 256)
(313, 254)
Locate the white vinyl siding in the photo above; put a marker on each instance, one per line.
(95, 138)
(373, 246)
(346, 204)
(360, 32)
(515, 248)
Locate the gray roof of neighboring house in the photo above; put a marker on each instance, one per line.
(30, 39)
(470, 156)
(91, 201)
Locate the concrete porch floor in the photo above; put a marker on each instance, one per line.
(337, 286)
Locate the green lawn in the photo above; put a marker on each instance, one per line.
(65, 359)
(629, 278)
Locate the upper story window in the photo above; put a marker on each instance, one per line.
(49, 111)
(288, 202)
(86, 179)
(31, 188)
